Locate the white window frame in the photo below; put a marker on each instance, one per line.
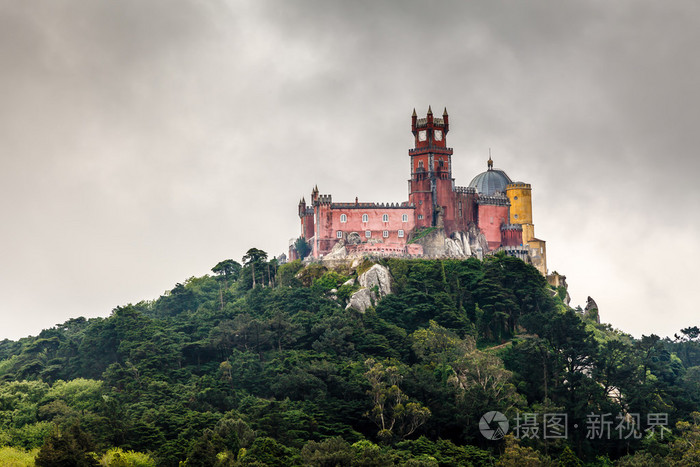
(385, 234)
(339, 234)
(400, 233)
(385, 217)
(343, 218)
(404, 218)
(365, 217)
(368, 234)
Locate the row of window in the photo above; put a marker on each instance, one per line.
(368, 234)
(365, 218)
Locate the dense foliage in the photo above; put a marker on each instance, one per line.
(262, 364)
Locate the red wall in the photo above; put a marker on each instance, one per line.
(490, 219)
(330, 224)
(511, 237)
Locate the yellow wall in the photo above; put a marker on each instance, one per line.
(520, 196)
(528, 232)
(538, 254)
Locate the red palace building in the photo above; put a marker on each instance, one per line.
(500, 209)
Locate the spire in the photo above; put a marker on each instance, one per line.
(430, 111)
(490, 162)
(414, 113)
(444, 113)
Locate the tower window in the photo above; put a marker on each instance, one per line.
(343, 218)
(420, 216)
(365, 217)
(339, 234)
(368, 233)
(385, 217)
(441, 163)
(385, 234)
(400, 233)
(420, 164)
(404, 218)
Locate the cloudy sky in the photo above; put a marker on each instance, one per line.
(141, 142)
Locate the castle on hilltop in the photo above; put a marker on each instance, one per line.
(439, 219)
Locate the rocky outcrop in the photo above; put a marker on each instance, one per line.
(557, 280)
(460, 245)
(378, 276)
(338, 252)
(362, 299)
(591, 310)
(477, 241)
(376, 283)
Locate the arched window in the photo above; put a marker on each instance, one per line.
(400, 233)
(385, 234)
(365, 218)
(343, 218)
(385, 217)
(339, 234)
(404, 218)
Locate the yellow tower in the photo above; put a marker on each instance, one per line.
(520, 196)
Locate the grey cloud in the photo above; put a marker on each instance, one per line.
(145, 141)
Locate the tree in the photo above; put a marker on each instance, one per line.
(302, 247)
(252, 258)
(483, 383)
(520, 456)
(69, 448)
(332, 452)
(228, 269)
(225, 270)
(391, 410)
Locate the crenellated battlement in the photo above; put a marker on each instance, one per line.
(494, 200)
(511, 227)
(324, 199)
(403, 205)
(521, 185)
(465, 189)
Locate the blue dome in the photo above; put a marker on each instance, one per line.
(491, 181)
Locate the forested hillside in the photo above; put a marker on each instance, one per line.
(262, 364)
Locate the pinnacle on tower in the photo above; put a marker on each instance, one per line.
(444, 113)
(414, 113)
(430, 111)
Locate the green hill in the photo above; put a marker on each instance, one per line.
(262, 364)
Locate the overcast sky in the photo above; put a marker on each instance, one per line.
(142, 141)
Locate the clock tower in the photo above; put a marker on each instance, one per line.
(431, 187)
